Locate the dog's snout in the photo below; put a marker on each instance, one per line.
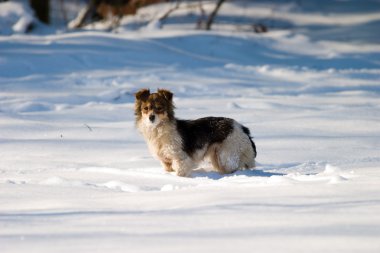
(152, 117)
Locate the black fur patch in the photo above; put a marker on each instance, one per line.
(197, 133)
(248, 133)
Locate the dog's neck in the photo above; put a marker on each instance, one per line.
(158, 132)
(161, 139)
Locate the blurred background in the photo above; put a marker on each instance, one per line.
(258, 16)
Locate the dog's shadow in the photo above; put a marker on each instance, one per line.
(202, 173)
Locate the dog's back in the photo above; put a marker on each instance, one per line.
(224, 141)
(204, 131)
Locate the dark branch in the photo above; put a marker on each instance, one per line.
(213, 14)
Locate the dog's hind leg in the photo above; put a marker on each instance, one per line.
(247, 160)
(214, 158)
(228, 163)
(234, 153)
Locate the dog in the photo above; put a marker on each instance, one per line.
(181, 145)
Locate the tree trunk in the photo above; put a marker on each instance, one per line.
(213, 14)
(86, 15)
(41, 9)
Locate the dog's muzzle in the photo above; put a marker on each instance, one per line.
(152, 117)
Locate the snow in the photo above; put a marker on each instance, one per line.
(15, 18)
(76, 176)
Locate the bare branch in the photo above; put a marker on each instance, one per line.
(213, 14)
(166, 15)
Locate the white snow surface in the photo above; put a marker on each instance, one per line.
(15, 17)
(76, 176)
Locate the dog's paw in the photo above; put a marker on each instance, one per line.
(183, 167)
(183, 173)
(169, 169)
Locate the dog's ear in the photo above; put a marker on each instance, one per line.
(166, 94)
(142, 94)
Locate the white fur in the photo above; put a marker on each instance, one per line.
(236, 151)
(164, 142)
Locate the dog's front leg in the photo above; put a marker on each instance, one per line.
(167, 165)
(183, 167)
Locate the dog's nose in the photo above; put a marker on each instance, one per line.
(152, 117)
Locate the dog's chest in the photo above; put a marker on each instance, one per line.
(163, 142)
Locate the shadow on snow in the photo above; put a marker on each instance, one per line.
(247, 173)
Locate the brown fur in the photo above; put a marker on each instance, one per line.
(120, 7)
(155, 119)
(159, 103)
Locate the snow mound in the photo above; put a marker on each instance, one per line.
(330, 175)
(154, 25)
(116, 96)
(59, 181)
(32, 107)
(118, 185)
(15, 18)
(334, 174)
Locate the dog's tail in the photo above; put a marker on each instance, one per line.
(248, 133)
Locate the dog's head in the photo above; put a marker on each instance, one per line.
(154, 108)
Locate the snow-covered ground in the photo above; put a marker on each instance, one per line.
(75, 175)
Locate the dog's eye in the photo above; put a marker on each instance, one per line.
(146, 108)
(159, 108)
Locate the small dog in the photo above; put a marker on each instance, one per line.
(181, 145)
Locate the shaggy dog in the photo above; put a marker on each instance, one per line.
(181, 145)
